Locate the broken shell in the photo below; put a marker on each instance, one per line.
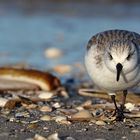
(135, 131)
(46, 81)
(46, 118)
(53, 53)
(56, 105)
(65, 122)
(130, 106)
(45, 95)
(100, 123)
(60, 118)
(87, 104)
(45, 109)
(79, 108)
(3, 102)
(64, 94)
(82, 115)
(22, 115)
(68, 111)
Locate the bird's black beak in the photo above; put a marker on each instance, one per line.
(119, 69)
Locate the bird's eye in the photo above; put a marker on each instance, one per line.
(110, 56)
(129, 56)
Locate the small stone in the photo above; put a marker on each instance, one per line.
(22, 115)
(60, 118)
(79, 108)
(45, 109)
(100, 123)
(64, 94)
(12, 119)
(56, 105)
(53, 53)
(68, 111)
(46, 128)
(82, 115)
(30, 106)
(46, 118)
(32, 126)
(70, 138)
(99, 139)
(135, 131)
(53, 137)
(124, 137)
(87, 104)
(39, 137)
(45, 95)
(65, 122)
(30, 139)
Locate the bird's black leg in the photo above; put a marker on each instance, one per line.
(119, 111)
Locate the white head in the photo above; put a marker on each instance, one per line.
(121, 56)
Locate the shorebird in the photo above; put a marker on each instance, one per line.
(112, 61)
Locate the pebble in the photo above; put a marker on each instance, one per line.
(56, 105)
(100, 123)
(124, 137)
(53, 53)
(53, 137)
(39, 137)
(68, 111)
(45, 109)
(46, 118)
(60, 118)
(12, 119)
(70, 138)
(64, 94)
(79, 108)
(135, 131)
(45, 95)
(22, 115)
(99, 139)
(87, 104)
(82, 115)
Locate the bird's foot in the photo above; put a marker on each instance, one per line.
(120, 114)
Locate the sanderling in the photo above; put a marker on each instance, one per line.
(113, 61)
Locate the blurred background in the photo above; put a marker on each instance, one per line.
(46, 33)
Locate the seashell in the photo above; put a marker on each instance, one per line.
(44, 80)
(46, 118)
(82, 115)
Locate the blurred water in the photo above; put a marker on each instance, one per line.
(24, 38)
